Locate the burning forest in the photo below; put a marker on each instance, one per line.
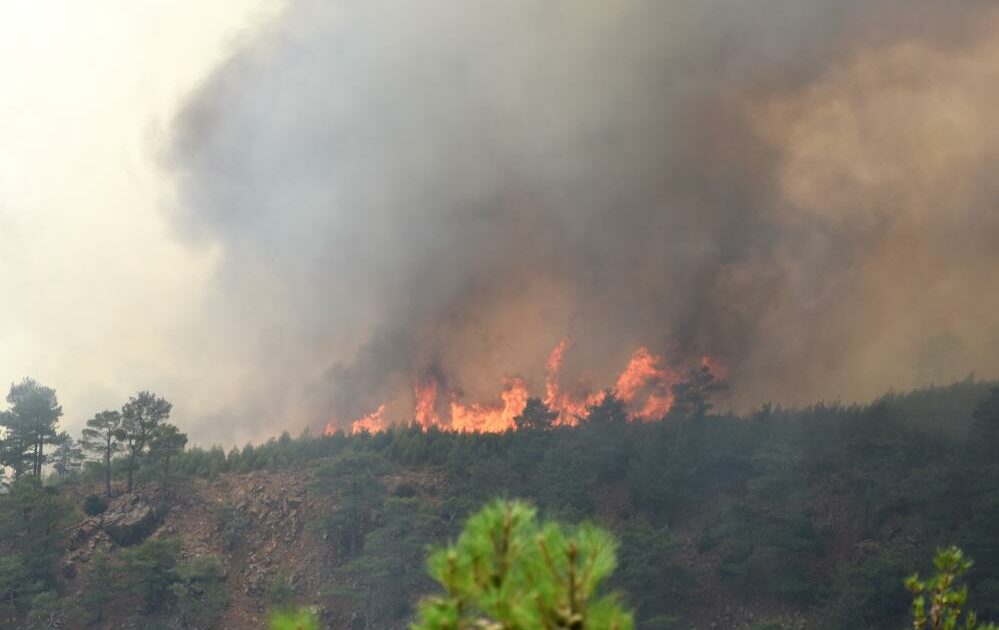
(437, 314)
(645, 386)
(409, 215)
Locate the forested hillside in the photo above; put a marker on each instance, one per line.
(783, 518)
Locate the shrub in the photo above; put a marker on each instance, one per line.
(866, 595)
(302, 619)
(280, 591)
(98, 587)
(200, 589)
(151, 569)
(405, 490)
(94, 505)
(48, 611)
(231, 525)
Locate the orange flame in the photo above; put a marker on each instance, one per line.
(645, 373)
(491, 418)
(426, 403)
(645, 386)
(373, 422)
(553, 366)
(569, 410)
(657, 405)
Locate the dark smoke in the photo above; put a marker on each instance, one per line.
(397, 187)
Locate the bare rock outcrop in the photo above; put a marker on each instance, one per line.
(131, 522)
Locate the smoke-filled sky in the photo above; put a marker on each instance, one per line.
(279, 217)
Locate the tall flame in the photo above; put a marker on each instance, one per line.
(569, 410)
(645, 373)
(491, 418)
(645, 386)
(372, 422)
(426, 403)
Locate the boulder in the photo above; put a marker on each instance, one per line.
(130, 524)
(84, 532)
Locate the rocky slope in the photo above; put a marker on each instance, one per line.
(255, 522)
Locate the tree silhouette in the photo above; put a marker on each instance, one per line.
(101, 438)
(30, 424)
(140, 418)
(536, 415)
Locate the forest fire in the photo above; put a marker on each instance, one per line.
(645, 386)
(487, 418)
(372, 422)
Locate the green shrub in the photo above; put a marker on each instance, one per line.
(200, 590)
(280, 591)
(151, 569)
(866, 596)
(404, 490)
(49, 611)
(302, 619)
(98, 587)
(94, 505)
(231, 525)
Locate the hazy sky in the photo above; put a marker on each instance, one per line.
(93, 285)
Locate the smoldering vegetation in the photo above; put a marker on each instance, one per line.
(803, 190)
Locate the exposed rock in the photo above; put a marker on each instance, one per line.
(69, 570)
(129, 524)
(84, 532)
(256, 583)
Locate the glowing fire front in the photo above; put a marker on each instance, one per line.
(645, 386)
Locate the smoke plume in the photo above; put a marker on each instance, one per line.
(802, 189)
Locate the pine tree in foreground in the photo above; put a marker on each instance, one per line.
(509, 572)
(946, 601)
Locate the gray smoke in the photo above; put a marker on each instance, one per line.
(451, 186)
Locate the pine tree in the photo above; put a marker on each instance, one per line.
(610, 410)
(165, 443)
(140, 417)
(67, 457)
(99, 586)
(101, 437)
(508, 572)
(536, 415)
(946, 601)
(30, 424)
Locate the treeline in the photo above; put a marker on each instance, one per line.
(34, 517)
(914, 471)
(137, 434)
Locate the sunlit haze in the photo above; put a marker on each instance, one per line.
(95, 286)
